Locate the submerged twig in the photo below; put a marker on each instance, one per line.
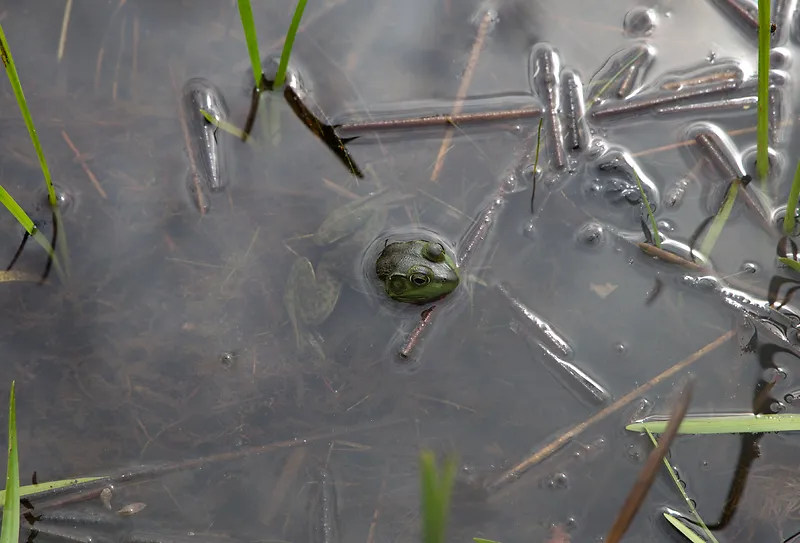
(648, 472)
(518, 470)
(469, 71)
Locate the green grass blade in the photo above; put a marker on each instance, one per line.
(19, 213)
(794, 264)
(686, 499)
(10, 530)
(224, 125)
(482, 540)
(720, 219)
(52, 485)
(289, 43)
(682, 528)
(14, 208)
(762, 129)
(13, 77)
(656, 235)
(791, 205)
(746, 423)
(251, 38)
(437, 486)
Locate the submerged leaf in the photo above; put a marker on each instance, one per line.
(724, 424)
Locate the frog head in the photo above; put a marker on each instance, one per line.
(416, 272)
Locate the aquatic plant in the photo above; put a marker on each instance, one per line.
(251, 39)
(791, 205)
(289, 43)
(10, 529)
(762, 131)
(436, 488)
(7, 200)
(653, 225)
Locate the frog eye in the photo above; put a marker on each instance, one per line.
(433, 252)
(420, 276)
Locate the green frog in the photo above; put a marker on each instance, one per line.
(417, 271)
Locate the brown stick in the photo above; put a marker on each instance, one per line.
(648, 473)
(79, 158)
(477, 47)
(517, 471)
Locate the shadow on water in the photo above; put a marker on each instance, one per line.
(169, 361)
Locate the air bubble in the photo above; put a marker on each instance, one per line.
(749, 267)
(529, 229)
(591, 235)
(780, 58)
(64, 199)
(792, 397)
(634, 453)
(665, 226)
(640, 21)
(227, 359)
(558, 481)
(622, 350)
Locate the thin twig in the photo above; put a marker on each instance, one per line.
(648, 473)
(517, 471)
(62, 42)
(472, 63)
(82, 161)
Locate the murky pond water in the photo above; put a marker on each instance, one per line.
(171, 345)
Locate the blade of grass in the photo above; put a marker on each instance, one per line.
(656, 235)
(746, 423)
(682, 528)
(9, 533)
(289, 43)
(251, 38)
(436, 487)
(230, 128)
(13, 77)
(791, 205)
(27, 223)
(482, 540)
(680, 488)
(762, 129)
(720, 219)
(52, 485)
(794, 264)
(647, 474)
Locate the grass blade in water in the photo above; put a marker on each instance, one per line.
(289, 43)
(10, 529)
(682, 528)
(436, 487)
(791, 205)
(13, 77)
(794, 264)
(27, 490)
(251, 38)
(656, 235)
(680, 488)
(725, 424)
(720, 219)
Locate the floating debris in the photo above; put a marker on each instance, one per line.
(575, 111)
(131, 509)
(544, 75)
(207, 148)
